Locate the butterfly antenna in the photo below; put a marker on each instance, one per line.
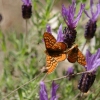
(21, 86)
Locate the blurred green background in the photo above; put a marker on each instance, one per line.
(21, 57)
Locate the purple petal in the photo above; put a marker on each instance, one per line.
(96, 65)
(88, 55)
(27, 2)
(88, 58)
(91, 7)
(43, 91)
(95, 15)
(79, 15)
(53, 91)
(93, 60)
(73, 7)
(64, 11)
(48, 28)
(68, 14)
(70, 70)
(60, 34)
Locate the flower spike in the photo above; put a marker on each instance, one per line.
(95, 15)
(43, 92)
(69, 72)
(91, 26)
(26, 9)
(48, 28)
(68, 14)
(27, 2)
(53, 91)
(87, 79)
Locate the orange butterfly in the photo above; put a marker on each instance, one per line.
(54, 52)
(74, 54)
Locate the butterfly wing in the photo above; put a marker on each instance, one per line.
(59, 46)
(54, 52)
(53, 48)
(49, 40)
(81, 58)
(76, 55)
(72, 54)
(51, 62)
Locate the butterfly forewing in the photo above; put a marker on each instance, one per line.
(49, 40)
(52, 46)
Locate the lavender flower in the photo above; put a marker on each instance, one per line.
(68, 14)
(60, 34)
(27, 2)
(26, 9)
(69, 72)
(91, 26)
(53, 91)
(48, 28)
(43, 92)
(93, 61)
(95, 15)
(87, 79)
(69, 36)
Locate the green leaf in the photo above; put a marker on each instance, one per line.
(20, 94)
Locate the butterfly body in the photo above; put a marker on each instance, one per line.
(54, 52)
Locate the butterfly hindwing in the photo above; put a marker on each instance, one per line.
(75, 54)
(81, 58)
(59, 46)
(53, 61)
(72, 54)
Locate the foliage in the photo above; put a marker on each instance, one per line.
(24, 57)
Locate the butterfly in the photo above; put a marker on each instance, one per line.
(54, 52)
(74, 54)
